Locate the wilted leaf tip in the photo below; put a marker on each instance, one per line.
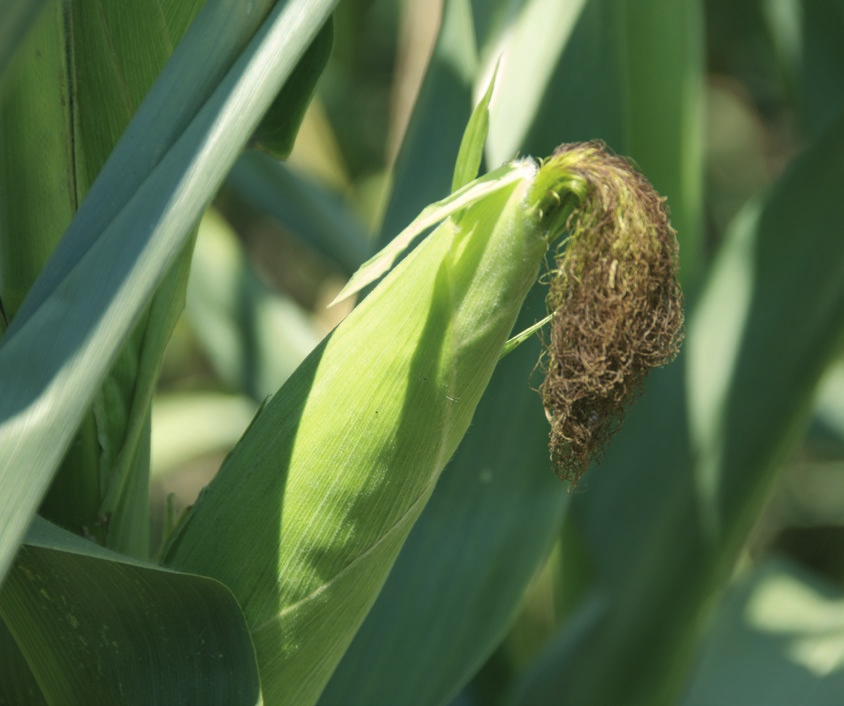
(616, 303)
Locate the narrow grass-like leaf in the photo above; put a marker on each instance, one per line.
(471, 152)
(77, 611)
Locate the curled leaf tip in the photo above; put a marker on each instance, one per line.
(616, 303)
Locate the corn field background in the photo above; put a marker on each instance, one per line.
(185, 186)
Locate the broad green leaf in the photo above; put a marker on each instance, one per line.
(77, 611)
(135, 221)
(16, 18)
(669, 509)
(777, 638)
(37, 193)
(17, 684)
(461, 574)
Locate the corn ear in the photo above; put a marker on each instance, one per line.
(308, 513)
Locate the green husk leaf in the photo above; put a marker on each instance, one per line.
(471, 151)
(341, 461)
(381, 263)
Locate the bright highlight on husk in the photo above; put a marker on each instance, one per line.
(616, 303)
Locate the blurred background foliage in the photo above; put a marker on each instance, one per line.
(763, 82)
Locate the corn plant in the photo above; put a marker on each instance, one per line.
(387, 525)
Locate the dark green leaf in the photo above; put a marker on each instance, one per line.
(277, 131)
(98, 629)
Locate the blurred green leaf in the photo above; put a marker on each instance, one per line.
(314, 214)
(253, 336)
(664, 60)
(777, 638)
(670, 507)
(806, 35)
(16, 18)
(186, 426)
(76, 611)
(424, 167)
(531, 47)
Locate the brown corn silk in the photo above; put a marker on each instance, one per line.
(616, 303)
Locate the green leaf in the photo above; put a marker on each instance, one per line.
(311, 212)
(777, 638)
(134, 223)
(805, 37)
(424, 167)
(474, 138)
(278, 128)
(540, 43)
(77, 611)
(253, 336)
(187, 426)
(462, 573)
(381, 263)
(698, 455)
(16, 18)
(665, 120)
(17, 684)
